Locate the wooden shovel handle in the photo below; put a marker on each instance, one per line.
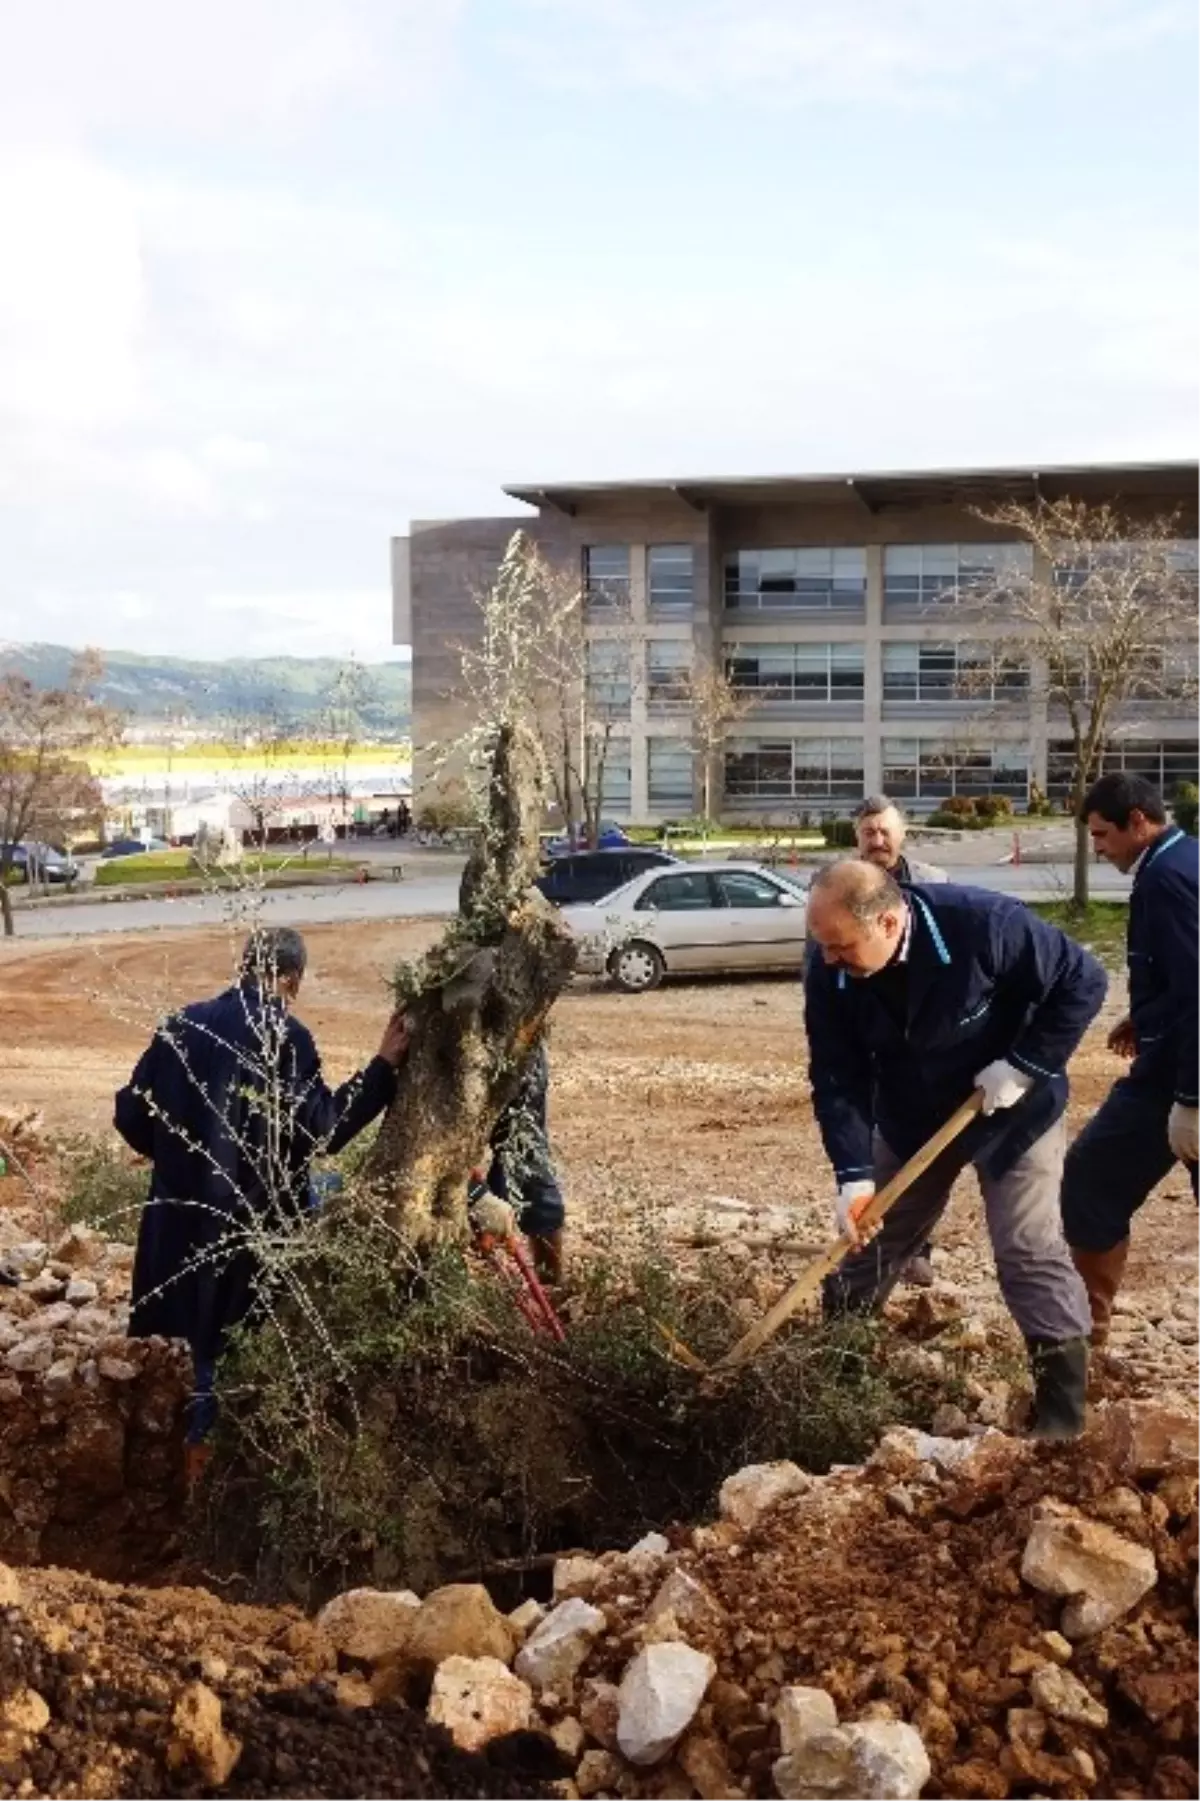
(807, 1285)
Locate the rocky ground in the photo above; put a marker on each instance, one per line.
(906, 1592)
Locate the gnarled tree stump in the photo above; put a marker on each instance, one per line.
(481, 998)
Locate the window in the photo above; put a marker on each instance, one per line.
(952, 672)
(916, 576)
(808, 580)
(608, 677)
(677, 894)
(616, 787)
(741, 889)
(668, 673)
(606, 577)
(794, 769)
(1165, 762)
(669, 574)
(932, 769)
(790, 673)
(669, 773)
(1172, 563)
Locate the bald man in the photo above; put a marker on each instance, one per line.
(917, 996)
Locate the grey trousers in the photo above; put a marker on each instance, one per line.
(1039, 1281)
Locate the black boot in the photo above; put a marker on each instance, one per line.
(1059, 1387)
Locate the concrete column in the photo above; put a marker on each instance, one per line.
(872, 726)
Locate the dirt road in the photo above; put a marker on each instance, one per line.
(696, 1091)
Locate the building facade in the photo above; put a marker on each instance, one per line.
(820, 597)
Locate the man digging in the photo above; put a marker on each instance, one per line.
(919, 996)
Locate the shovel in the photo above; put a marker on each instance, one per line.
(807, 1286)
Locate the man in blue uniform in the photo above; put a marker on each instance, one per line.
(522, 1170)
(919, 996)
(229, 1104)
(1149, 1120)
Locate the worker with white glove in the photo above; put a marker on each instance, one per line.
(1148, 1120)
(490, 1216)
(919, 996)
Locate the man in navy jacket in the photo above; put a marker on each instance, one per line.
(229, 1104)
(1149, 1119)
(919, 996)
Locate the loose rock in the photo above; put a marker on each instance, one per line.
(369, 1623)
(658, 1698)
(1060, 1694)
(752, 1490)
(478, 1699)
(554, 1651)
(1103, 1574)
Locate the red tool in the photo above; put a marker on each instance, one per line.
(510, 1261)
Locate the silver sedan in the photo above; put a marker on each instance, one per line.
(710, 917)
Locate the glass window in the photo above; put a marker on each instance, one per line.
(669, 569)
(677, 894)
(932, 769)
(608, 677)
(669, 772)
(1165, 762)
(960, 672)
(776, 673)
(606, 577)
(794, 769)
(739, 888)
(816, 578)
(616, 784)
(916, 576)
(668, 672)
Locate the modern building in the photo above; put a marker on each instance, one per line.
(820, 595)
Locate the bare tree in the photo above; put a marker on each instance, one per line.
(717, 703)
(569, 654)
(1105, 613)
(47, 736)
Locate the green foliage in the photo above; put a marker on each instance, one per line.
(960, 805)
(397, 1422)
(957, 821)
(839, 834)
(1186, 805)
(993, 807)
(101, 1187)
(181, 865)
(451, 813)
(1100, 926)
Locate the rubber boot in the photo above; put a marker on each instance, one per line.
(1101, 1272)
(1060, 1371)
(546, 1252)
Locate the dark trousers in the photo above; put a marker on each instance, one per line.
(1119, 1157)
(536, 1196)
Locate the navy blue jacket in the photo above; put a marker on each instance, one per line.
(1163, 926)
(229, 1103)
(986, 979)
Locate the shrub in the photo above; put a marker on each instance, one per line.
(451, 814)
(1186, 805)
(959, 805)
(839, 834)
(958, 822)
(101, 1187)
(993, 806)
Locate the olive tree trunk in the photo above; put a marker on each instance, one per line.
(477, 1007)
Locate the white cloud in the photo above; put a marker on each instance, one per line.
(829, 50)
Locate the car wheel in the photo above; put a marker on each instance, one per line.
(636, 968)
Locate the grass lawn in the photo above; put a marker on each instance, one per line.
(176, 866)
(1101, 928)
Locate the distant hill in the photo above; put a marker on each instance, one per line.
(175, 692)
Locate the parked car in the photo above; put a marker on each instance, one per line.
(132, 847)
(588, 875)
(707, 917)
(44, 861)
(609, 837)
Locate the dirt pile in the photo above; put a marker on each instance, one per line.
(960, 1616)
(90, 1421)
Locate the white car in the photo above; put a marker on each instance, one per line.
(703, 917)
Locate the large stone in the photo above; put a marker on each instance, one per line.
(199, 1736)
(1143, 1439)
(460, 1620)
(81, 1291)
(702, 1759)
(525, 1618)
(370, 1623)
(599, 1773)
(1101, 1574)
(478, 1699)
(23, 1710)
(554, 1651)
(801, 1712)
(1062, 1695)
(46, 1287)
(658, 1699)
(872, 1760)
(80, 1246)
(31, 1355)
(55, 1317)
(10, 1587)
(693, 1606)
(750, 1492)
(647, 1554)
(576, 1576)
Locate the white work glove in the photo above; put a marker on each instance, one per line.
(1183, 1132)
(852, 1197)
(493, 1216)
(1003, 1086)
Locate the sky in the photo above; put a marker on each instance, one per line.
(282, 275)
